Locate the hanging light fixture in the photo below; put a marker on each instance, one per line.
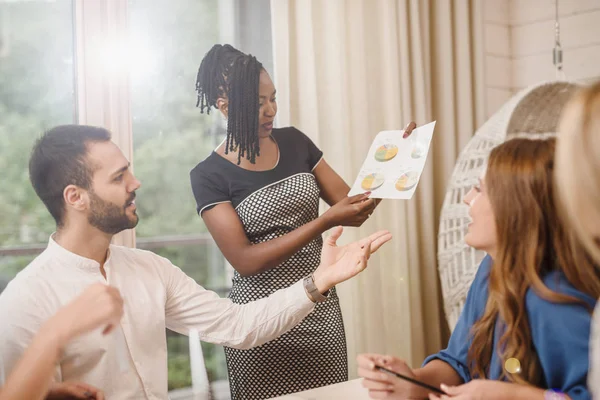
(557, 54)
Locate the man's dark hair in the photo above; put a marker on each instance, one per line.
(58, 159)
(227, 72)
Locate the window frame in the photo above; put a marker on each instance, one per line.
(103, 98)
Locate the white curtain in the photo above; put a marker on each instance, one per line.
(103, 77)
(347, 69)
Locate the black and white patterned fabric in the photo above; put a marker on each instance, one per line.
(312, 354)
(271, 204)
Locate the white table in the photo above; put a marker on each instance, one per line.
(351, 390)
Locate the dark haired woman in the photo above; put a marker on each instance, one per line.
(258, 194)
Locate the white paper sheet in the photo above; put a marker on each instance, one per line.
(393, 166)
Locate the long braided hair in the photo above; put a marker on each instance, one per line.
(226, 72)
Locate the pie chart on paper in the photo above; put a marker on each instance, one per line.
(393, 165)
(372, 181)
(386, 152)
(407, 181)
(418, 151)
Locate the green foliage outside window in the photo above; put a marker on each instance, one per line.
(170, 135)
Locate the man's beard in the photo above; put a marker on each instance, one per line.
(109, 217)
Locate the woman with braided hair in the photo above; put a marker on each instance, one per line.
(258, 194)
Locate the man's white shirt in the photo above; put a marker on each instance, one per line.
(157, 295)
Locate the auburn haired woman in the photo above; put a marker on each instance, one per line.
(524, 330)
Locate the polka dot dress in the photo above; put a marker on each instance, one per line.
(312, 354)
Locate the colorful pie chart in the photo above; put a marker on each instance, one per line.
(407, 181)
(386, 152)
(372, 181)
(418, 151)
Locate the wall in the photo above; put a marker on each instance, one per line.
(519, 38)
(497, 54)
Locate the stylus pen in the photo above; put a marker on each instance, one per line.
(411, 380)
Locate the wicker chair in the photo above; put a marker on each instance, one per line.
(532, 112)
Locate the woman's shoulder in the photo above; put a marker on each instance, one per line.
(209, 164)
(557, 282)
(287, 134)
(207, 169)
(292, 140)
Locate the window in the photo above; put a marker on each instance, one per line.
(170, 136)
(36, 92)
(167, 40)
